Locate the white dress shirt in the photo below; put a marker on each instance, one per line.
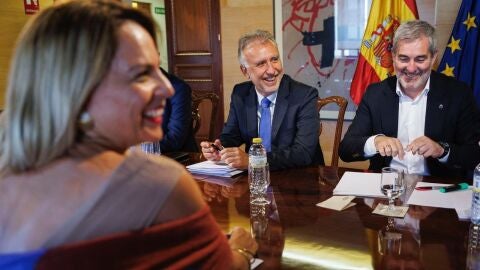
(411, 125)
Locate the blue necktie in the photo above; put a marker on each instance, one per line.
(266, 124)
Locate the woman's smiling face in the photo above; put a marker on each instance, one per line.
(127, 107)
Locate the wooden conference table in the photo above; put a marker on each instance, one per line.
(293, 233)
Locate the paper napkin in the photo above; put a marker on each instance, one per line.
(338, 202)
(398, 211)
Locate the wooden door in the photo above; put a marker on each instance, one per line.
(143, 6)
(194, 51)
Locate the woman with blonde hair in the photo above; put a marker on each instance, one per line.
(84, 86)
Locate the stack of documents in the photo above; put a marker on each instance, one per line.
(213, 168)
(359, 184)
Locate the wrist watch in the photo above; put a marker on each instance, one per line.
(446, 149)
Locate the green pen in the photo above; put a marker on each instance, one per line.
(455, 187)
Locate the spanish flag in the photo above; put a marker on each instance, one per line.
(461, 58)
(375, 58)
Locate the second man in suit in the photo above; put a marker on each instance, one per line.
(177, 118)
(270, 105)
(419, 121)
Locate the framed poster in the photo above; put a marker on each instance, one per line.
(315, 40)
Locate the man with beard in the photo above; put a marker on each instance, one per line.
(270, 105)
(419, 121)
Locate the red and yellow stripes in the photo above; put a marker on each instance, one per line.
(375, 58)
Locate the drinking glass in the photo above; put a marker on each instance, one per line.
(152, 148)
(392, 185)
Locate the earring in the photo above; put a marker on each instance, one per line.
(85, 121)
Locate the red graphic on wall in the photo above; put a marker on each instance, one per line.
(308, 39)
(31, 6)
(303, 18)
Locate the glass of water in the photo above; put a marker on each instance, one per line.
(392, 185)
(152, 148)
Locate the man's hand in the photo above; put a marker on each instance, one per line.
(426, 147)
(235, 157)
(388, 146)
(209, 152)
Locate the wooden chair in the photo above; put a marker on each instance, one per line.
(342, 106)
(197, 100)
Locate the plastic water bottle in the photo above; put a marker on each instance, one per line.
(258, 173)
(475, 218)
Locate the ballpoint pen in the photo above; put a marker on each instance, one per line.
(217, 148)
(444, 189)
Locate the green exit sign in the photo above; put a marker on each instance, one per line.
(159, 10)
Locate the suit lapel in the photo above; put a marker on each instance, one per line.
(390, 109)
(251, 112)
(436, 107)
(281, 105)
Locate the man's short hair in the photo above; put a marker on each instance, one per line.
(413, 30)
(261, 36)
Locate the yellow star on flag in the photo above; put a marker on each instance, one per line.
(470, 22)
(454, 45)
(448, 70)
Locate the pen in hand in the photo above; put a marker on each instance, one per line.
(218, 149)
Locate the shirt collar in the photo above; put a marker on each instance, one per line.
(425, 90)
(272, 97)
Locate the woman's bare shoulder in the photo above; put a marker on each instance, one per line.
(185, 199)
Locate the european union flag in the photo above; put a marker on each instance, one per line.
(461, 58)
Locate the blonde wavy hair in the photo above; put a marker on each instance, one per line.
(61, 56)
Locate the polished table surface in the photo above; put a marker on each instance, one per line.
(294, 233)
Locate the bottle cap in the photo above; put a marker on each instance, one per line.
(257, 140)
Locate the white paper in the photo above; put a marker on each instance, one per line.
(337, 202)
(464, 214)
(256, 263)
(460, 199)
(213, 168)
(359, 184)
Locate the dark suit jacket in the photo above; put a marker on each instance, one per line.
(451, 116)
(294, 127)
(177, 119)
